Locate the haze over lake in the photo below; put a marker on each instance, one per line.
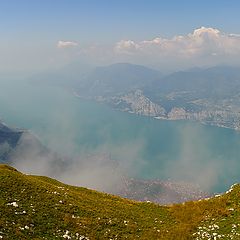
(149, 148)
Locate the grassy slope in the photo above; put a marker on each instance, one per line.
(48, 209)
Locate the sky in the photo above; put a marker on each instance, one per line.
(36, 35)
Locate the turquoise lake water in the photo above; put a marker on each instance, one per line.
(150, 148)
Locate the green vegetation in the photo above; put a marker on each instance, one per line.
(33, 207)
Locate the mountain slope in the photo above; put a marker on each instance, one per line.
(22, 148)
(34, 207)
(217, 82)
(116, 79)
(9, 139)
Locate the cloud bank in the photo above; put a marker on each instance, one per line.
(204, 46)
(203, 41)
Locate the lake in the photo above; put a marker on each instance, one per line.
(148, 148)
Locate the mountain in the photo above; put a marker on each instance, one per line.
(216, 82)
(34, 207)
(9, 138)
(116, 79)
(66, 76)
(210, 96)
(20, 147)
(98, 81)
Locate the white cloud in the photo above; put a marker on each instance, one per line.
(202, 41)
(203, 47)
(66, 44)
(126, 46)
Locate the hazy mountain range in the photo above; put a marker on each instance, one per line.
(210, 96)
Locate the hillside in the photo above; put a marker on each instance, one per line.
(21, 147)
(33, 207)
(9, 139)
(116, 79)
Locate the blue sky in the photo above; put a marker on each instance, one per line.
(111, 20)
(37, 25)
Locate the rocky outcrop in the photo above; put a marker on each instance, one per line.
(136, 102)
(222, 114)
(177, 114)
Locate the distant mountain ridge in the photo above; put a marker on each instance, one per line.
(210, 96)
(116, 79)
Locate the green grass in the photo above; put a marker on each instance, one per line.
(48, 209)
